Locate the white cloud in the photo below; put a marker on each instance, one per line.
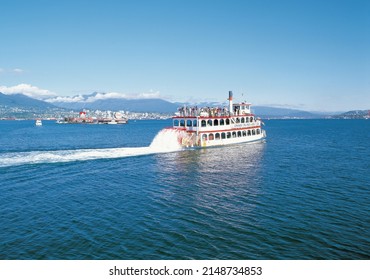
(78, 98)
(109, 95)
(148, 95)
(18, 70)
(15, 70)
(119, 95)
(28, 90)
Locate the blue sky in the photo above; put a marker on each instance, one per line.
(312, 55)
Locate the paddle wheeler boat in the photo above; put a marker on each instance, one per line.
(204, 127)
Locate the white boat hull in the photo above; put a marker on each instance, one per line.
(230, 141)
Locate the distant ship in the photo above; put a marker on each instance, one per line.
(205, 127)
(118, 118)
(38, 122)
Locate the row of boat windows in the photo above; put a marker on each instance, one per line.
(227, 135)
(215, 122)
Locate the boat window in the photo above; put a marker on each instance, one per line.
(228, 135)
(203, 123)
(249, 133)
(176, 123)
(244, 133)
(253, 132)
(242, 120)
(234, 134)
(239, 134)
(237, 120)
(251, 119)
(217, 136)
(227, 121)
(246, 119)
(209, 123)
(215, 123)
(211, 137)
(223, 135)
(222, 122)
(189, 123)
(258, 131)
(195, 123)
(182, 122)
(204, 136)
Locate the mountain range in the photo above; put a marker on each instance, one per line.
(22, 101)
(102, 101)
(98, 101)
(274, 112)
(357, 114)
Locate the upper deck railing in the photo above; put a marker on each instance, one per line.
(208, 112)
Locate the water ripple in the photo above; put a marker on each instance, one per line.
(301, 195)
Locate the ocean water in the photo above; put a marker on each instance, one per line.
(112, 192)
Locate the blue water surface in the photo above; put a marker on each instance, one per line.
(303, 194)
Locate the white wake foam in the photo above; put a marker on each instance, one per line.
(165, 141)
